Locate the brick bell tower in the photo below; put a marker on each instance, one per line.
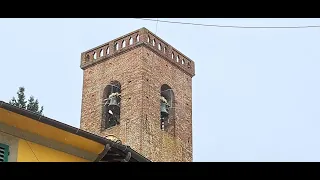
(139, 88)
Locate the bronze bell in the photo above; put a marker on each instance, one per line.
(113, 101)
(164, 109)
(113, 105)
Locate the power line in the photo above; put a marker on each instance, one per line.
(23, 139)
(157, 26)
(32, 151)
(224, 26)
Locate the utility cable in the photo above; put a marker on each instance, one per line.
(231, 26)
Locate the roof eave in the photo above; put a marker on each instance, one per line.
(73, 130)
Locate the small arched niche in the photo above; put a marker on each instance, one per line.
(189, 64)
(167, 109)
(116, 46)
(130, 41)
(108, 51)
(111, 105)
(153, 42)
(94, 55)
(101, 52)
(87, 58)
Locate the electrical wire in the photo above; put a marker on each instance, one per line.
(231, 26)
(157, 26)
(23, 139)
(32, 151)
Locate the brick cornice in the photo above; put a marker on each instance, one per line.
(146, 39)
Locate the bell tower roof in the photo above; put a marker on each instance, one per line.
(132, 40)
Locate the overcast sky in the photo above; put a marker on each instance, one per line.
(255, 92)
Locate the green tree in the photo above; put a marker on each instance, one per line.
(32, 104)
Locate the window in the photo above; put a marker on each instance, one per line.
(108, 50)
(94, 55)
(123, 44)
(4, 152)
(167, 109)
(138, 38)
(111, 105)
(101, 53)
(153, 42)
(87, 58)
(116, 46)
(130, 41)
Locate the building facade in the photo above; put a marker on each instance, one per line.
(26, 136)
(138, 88)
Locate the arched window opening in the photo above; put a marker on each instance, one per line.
(153, 42)
(189, 64)
(94, 55)
(130, 41)
(111, 105)
(116, 46)
(148, 39)
(138, 38)
(101, 53)
(123, 44)
(108, 50)
(167, 109)
(159, 47)
(87, 58)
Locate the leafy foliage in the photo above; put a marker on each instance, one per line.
(32, 104)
